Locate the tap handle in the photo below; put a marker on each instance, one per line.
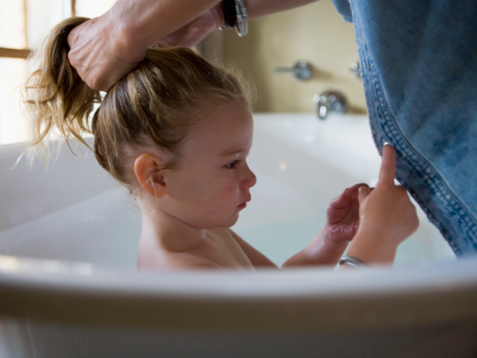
(302, 70)
(330, 102)
(322, 106)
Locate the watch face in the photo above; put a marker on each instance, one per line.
(229, 9)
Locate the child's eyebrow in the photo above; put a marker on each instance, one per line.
(232, 152)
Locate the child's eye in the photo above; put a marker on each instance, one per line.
(233, 164)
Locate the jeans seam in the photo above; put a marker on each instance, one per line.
(458, 213)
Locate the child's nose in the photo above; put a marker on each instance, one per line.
(249, 179)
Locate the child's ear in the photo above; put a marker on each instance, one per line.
(147, 168)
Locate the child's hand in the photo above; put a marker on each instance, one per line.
(387, 216)
(331, 241)
(343, 215)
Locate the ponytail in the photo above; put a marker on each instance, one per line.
(54, 95)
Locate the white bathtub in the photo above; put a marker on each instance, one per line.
(68, 285)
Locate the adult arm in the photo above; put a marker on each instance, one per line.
(105, 48)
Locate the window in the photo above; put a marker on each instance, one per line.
(23, 26)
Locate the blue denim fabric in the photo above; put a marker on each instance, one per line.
(419, 64)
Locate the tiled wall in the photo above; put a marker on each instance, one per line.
(316, 33)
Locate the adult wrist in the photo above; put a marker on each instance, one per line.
(229, 13)
(234, 14)
(125, 35)
(372, 250)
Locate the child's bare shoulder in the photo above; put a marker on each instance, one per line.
(176, 261)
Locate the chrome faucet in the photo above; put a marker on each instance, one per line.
(301, 70)
(330, 102)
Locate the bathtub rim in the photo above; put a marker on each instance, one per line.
(153, 302)
(296, 299)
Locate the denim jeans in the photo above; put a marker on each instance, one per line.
(419, 68)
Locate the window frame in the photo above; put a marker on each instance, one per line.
(16, 133)
(6, 52)
(24, 53)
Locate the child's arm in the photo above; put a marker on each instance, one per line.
(256, 257)
(387, 216)
(341, 226)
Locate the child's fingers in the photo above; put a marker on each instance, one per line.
(340, 201)
(347, 196)
(387, 173)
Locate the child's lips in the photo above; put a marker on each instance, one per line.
(244, 204)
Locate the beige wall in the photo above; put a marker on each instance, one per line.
(316, 33)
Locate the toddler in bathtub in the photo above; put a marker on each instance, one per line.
(176, 131)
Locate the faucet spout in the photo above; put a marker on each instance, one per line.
(330, 102)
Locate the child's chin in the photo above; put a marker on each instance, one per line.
(233, 221)
(222, 224)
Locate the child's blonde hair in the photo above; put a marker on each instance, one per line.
(154, 104)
